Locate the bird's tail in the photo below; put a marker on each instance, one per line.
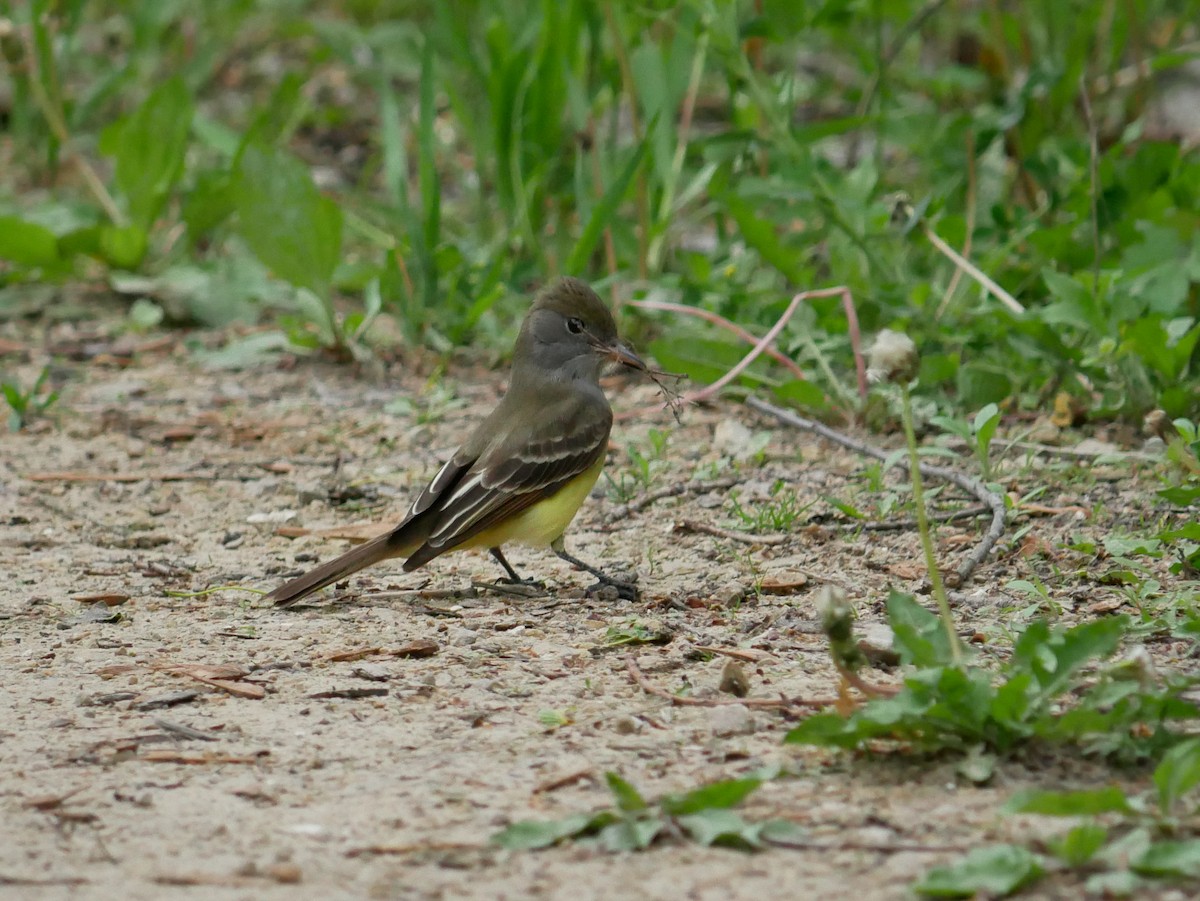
(335, 570)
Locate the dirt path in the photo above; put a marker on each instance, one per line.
(281, 794)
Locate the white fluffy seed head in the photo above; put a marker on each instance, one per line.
(892, 358)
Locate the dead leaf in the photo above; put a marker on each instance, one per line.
(111, 598)
(783, 583)
(198, 758)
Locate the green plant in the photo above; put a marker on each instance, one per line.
(645, 468)
(703, 816)
(26, 403)
(1122, 842)
(978, 434)
(776, 515)
(1055, 689)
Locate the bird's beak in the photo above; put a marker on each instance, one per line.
(619, 353)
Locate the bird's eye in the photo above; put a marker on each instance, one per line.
(575, 325)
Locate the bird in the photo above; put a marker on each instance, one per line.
(523, 473)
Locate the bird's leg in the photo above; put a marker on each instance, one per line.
(625, 590)
(513, 577)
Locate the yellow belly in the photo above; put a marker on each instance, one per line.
(545, 521)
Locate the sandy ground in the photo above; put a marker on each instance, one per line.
(126, 777)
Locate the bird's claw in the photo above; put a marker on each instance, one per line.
(613, 589)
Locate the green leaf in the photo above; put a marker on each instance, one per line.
(803, 394)
(209, 203)
(27, 243)
(1109, 799)
(920, 636)
(759, 233)
(719, 827)
(285, 221)
(824, 730)
(628, 798)
(997, 870)
(603, 212)
(122, 246)
(1183, 496)
(1080, 844)
(527, 835)
(149, 148)
(982, 383)
(1054, 656)
(243, 353)
(718, 795)
(1177, 859)
(1177, 774)
(630, 834)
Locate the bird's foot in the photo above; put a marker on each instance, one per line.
(610, 589)
(528, 582)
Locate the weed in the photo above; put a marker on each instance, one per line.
(25, 404)
(703, 816)
(776, 515)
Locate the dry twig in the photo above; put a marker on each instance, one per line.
(691, 525)
(994, 501)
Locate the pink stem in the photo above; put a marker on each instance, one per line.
(717, 319)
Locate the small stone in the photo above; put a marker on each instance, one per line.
(729, 594)
(627, 725)
(284, 873)
(372, 672)
(732, 439)
(733, 680)
(731, 719)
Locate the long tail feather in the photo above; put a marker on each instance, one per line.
(335, 570)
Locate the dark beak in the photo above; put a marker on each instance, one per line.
(619, 353)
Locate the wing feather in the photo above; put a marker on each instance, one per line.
(507, 479)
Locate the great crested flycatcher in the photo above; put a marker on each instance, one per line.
(524, 472)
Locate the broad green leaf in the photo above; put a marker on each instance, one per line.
(920, 636)
(27, 243)
(123, 246)
(1177, 859)
(982, 383)
(630, 834)
(1177, 774)
(1079, 845)
(243, 353)
(1183, 496)
(149, 148)
(996, 871)
(1109, 799)
(286, 222)
(759, 233)
(1073, 304)
(526, 835)
(719, 827)
(825, 730)
(985, 424)
(725, 794)
(803, 394)
(209, 203)
(628, 798)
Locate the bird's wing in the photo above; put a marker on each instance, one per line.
(511, 475)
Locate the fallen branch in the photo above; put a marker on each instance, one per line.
(899, 525)
(626, 510)
(993, 501)
(691, 525)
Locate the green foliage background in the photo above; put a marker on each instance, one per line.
(434, 159)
